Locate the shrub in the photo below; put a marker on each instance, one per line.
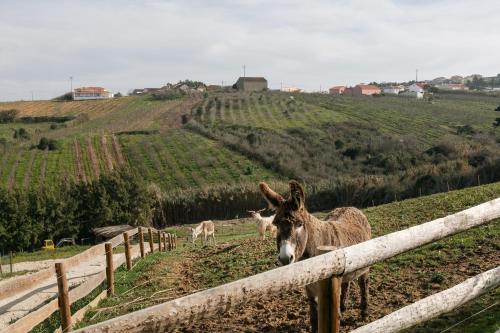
(7, 116)
(167, 95)
(21, 134)
(45, 143)
(339, 144)
(465, 130)
(65, 97)
(478, 158)
(436, 277)
(352, 152)
(498, 108)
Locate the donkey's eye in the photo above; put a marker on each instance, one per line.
(299, 224)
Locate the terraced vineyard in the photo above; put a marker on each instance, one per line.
(427, 121)
(149, 140)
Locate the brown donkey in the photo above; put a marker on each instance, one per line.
(300, 234)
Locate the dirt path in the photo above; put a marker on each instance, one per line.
(15, 307)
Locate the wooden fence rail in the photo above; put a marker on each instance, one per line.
(165, 316)
(435, 305)
(27, 322)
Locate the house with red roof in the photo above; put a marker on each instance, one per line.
(337, 90)
(365, 90)
(85, 93)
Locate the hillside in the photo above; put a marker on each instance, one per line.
(130, 132)
(394, 283)
(207, 152)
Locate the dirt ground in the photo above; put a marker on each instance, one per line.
(390, 289)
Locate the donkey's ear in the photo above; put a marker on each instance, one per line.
(297, 194)
(273, 199)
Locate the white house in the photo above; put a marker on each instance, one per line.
(85, 93)
(393, 90)
(416, 90)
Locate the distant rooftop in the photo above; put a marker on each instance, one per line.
(252, 79)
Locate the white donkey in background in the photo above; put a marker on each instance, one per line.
(205, 227)
(264, 224)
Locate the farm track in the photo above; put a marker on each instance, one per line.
(93, 158)
(17, 306)
(107, 155)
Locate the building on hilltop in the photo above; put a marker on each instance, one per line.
(337, 90)
(365, 90)
(251, 84)
(393, 90)
(452, 86)
(85, 93)
(292, 89)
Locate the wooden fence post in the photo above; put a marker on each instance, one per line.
(64, 306)
(159, 241)
(109, 269)
(175, 240)
(170, 242)
(164, 238)
(328, 300)
(10, 260)
(151, 244)
(128, 258)
(141, 241)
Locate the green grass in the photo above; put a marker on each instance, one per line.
(59, 253)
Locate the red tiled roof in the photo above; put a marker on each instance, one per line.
(368, 87)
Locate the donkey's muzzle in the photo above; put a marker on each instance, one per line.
(285, 260)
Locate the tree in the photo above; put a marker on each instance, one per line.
(7, 116)
(497, 122)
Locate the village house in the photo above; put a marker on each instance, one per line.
(251, 84)
(337, 90)
(452, 86)
(416, 90)
(365, 90)
(393, 90)
(85, 93)
(292, 89)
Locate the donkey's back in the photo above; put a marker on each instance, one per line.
(351, 224)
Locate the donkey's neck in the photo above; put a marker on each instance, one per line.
(317, 232)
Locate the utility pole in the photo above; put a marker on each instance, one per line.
(416, 75)
(32, 96)
(244, 70)
(71, 84)
(281, 86)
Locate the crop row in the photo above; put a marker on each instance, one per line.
(178, 158)
(75, 159)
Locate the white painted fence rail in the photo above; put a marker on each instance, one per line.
(165, 316)
(435, 305)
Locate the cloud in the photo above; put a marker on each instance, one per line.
(128, 44)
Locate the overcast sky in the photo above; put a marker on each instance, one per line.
(124, 44)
